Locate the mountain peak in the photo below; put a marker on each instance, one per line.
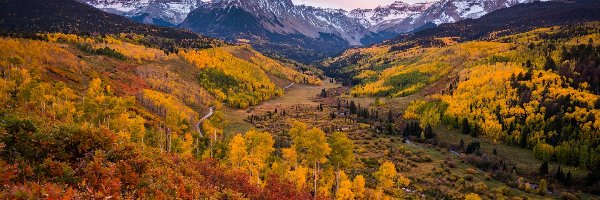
(398, 4)
(161, 12)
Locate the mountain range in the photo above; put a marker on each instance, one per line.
(300, 32)
(158, 12)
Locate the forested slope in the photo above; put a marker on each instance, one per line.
(99, 116)
(537, 90)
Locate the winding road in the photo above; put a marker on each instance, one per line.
(211, 111)
(286, 87)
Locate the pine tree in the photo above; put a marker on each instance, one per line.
(429, 134)
(544, 168)
(352, 107)
(568, 179)
(550, 64)
(560, 176)
(406, 131)
(466, 128)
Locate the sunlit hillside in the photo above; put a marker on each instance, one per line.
(68, 99)
(467, 99)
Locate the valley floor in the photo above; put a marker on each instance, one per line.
(428, 165)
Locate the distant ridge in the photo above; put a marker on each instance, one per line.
(516, 19)
(26, 17)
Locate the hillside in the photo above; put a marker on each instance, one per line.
(97, 106)
(25, 18)
(537, 90)
(517, 19)
(506, 21)
(101, 91)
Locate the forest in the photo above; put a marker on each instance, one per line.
(534, 90)
(111, 116)
(145, 112)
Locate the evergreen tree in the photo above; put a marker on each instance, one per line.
(352, 107)
(473, 147)
(524, 135)
(544, 168)
(550, 64)
(406, 131)
(568, 179)
(466, 128)
(560, 176)
(528, 64)
(476, 131)
(429, 134)
(391, 129)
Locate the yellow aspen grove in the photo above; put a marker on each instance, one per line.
(342, 154)
(344, 191)
(358, 187)
(237, 151)
(472, 196)
(298, 176)
(312, 147)
(259, 147)
(128, 110)
(386, 176)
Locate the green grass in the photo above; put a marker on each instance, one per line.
(523, 158)
(460, 170)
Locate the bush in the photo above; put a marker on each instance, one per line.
(480, 188)
(543, 151)
(468, 177)
(568, 196)
(566, 153)
(472, 197)
(473, 147)
(471, 171)
(528, 188)
(543, 189)
(544, 168)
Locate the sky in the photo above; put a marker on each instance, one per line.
(350, 4)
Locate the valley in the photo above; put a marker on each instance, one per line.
(266, 99)
(303, 102)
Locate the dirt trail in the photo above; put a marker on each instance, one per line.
(211, 111)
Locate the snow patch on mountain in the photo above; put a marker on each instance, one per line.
(283, 17)
(171, 11)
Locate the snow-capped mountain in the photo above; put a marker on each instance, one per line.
(390, 14)
(283, 17)
(160, 12)
(449, 11)
(285, 28)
